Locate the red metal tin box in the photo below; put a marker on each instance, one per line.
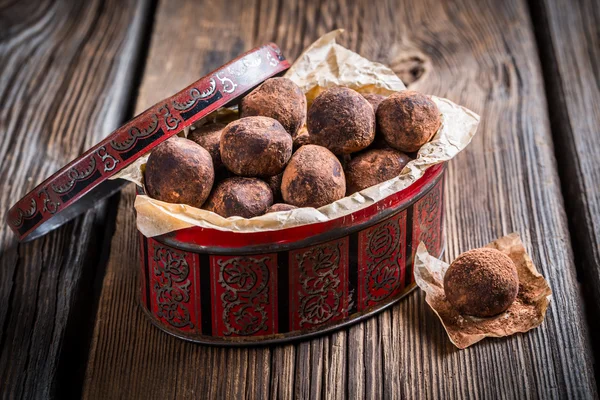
(222, 287)
(217, 287)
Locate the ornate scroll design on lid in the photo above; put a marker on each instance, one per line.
(49, 205)
(383, 275)
(320, 281)
(171, 121)
(134, 134)
(228, 85)
(74, 175)
(245, 280)
(172, 286)
(195, 95)
(107, 159)
(272, 60)
(23, 214)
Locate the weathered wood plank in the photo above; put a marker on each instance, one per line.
(66, 73)
(569, 43)
(480, 54)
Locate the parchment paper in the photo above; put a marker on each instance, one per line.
(324, 64)
(527, 312)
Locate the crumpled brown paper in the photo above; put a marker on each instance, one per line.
(324, 64)
(526, 313)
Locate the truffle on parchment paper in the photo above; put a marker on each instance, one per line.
(526, 312)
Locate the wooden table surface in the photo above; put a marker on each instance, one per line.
(72, 71)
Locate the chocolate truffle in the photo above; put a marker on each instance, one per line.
(255, 146)
(277, 98)
(301, 139)
(179, 171)
(313, 178)
(341, 120)
(274, 183)
(481, 282)
(374, 99)
(209, 137)
(243, 197)
(280, 207)
(408, 120)
(373, 167)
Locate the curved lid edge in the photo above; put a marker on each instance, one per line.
(36, 213)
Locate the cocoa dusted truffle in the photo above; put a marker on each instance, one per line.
(313, 178)
(374, 99)
(243, 197)
(280, 207)
(408, 120)
(373, 167)
(274, 183)
(301, 139)
(209, 137)
(481, 282)
(179, 171)
(341, 120)
(277, 98)
(255, 146)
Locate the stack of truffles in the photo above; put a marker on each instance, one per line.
(278, 156)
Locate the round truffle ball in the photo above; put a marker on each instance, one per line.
(481, 282)
(301, 139)
(341, 120)
(313, 178)
(179, 171)
(255, 146)
(274, 183)
(408, 120)
(243, 197)
(280, 207)
(374, 100)
(373, 167)
(209, 137)
(277, 98)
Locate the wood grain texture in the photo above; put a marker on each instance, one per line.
(569, 42)
(64, 83)
(481, 54)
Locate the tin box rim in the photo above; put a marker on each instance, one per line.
(214, 241)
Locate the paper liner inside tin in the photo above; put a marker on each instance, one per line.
(527, 311)
(324, 64)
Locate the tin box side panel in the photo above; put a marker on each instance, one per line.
(382, 261)
(319, 284)
(428, 221)
(244, 295)
(173, 286)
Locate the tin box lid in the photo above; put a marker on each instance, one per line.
(84, 181)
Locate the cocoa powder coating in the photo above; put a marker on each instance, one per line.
(277, 98)
(408, 120)
(274, 183)
(255, 146)
(374, 100)
(179, 171)
(280, 207)
(313, 178)
(341, 120)
(481, 282)
(372, 167)
(243, 197)
(209, 137)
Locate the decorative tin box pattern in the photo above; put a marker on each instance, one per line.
(276, 296)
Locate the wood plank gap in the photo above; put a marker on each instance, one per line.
(582, 236)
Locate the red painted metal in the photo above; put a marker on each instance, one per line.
(142, 134)
(268, 287)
